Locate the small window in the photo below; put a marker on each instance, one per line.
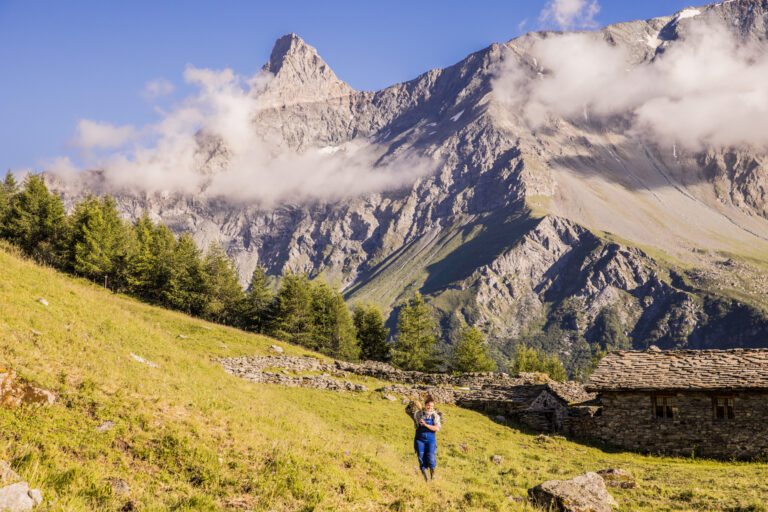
(722, 407)
(662, 407)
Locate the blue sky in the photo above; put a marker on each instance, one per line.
(63, 61)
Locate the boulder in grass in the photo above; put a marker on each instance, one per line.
(7, 475)
(276, 348)
(619, 478)
(19, 497)
(14, 391)
(585, 493)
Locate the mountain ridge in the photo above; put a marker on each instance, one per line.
(475, 214)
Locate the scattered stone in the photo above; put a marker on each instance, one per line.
(42, 301)
(105, 427)
(496, 459)
(276, 348)
(464, 447)
(181, 336)
(14, 392)
(143, 361)
(7, 475)
(500, 419)
(35, 332)
(619, 478)
(584, 493)
(389, 397)
(16, 497)
(405, 401)
(119, 486)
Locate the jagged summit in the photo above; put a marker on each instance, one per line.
(301, 75)
(286, 49)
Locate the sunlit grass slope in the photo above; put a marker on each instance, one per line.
(188, 436)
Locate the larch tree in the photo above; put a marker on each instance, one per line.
(334, 332)
(371, 333)
(471, 353)
(416, 341)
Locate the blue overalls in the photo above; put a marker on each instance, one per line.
(425, 445)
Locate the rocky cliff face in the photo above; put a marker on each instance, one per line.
(509, 231)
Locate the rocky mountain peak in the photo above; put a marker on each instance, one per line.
(301, 75)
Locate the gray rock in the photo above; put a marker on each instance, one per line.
(7, 474)
(500, 419)
(42, 301)
(496, 459)
(105, 427)
(36, 496)
(276, 348)
(617, 477)
(16, 498)
(389, 397)
(581, 494)
(119, 486)
(183, 337)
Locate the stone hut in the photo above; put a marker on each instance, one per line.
(542, 407)
(710, 403)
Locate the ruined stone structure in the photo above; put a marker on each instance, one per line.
(530, 399)
(710, 403)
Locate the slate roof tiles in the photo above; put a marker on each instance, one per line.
(657, 370)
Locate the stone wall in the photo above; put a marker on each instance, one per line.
(532, 399)
(627, 420)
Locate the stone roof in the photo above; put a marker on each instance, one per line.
(656, 370)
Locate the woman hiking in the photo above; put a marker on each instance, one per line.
(427, 422)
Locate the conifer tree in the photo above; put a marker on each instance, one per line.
(226, 295)
(471, 353)
(8, 188)
(291, 318)
(371, 333)
(98, 241)
(189, 290)
(415, 345)
(152, 262)
(35, 221)
(528, 359)
(256, 305)
(333, 330)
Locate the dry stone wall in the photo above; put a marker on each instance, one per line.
(529, 398)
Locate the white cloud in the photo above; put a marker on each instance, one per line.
(570, 14)
(704, 90)
(61, 165)
(98, 135)
(157, 88)
(208, 145)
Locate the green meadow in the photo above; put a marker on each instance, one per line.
(188, 436)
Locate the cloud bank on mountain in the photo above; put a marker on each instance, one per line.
(209, 146)
(705, 90)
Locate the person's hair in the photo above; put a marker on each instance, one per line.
(429, 398)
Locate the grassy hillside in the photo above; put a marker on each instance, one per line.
(188, 436)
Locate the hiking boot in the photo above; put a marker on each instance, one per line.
(431, 473)
(426, 475)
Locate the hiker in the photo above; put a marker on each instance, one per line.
(427, 422)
